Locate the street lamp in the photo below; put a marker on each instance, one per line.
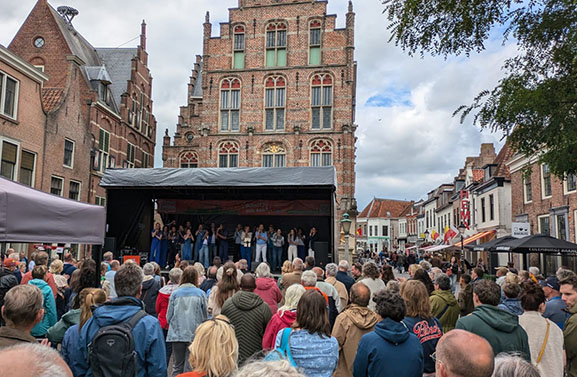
(462, 229)
(346, 225)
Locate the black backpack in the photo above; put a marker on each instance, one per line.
(111, 352)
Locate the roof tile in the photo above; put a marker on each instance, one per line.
(51, 98)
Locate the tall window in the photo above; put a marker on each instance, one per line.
(189, 160)
(27, 168)
(544, 225)
(132, 112)
(561, 226)
(273, 156)
(491, 207)
(146, 121)
(321, 153)
(315, 42)
(545, 181)
(130, 151)
(8, 95)
(238, 62)
(483, 217)
(322, 101)
(275, 98)
(68, 153)
(276, 45)
(56, 184)
(230, 105)
(570, 183)
(145, 160)
(74, 191)
(228, 155)
(141, 110)
(103, 149)
(528, 189)
(9, 157)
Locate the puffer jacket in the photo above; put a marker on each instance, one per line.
(445, 299)
(268, 290)
(249, 314)
(350, 326)
(500, 328)
(278, 322)
(186, 311)
(162, 303)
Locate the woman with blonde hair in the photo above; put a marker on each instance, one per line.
(71, 352)
(56, 268)
(201, 273)
(213, 337)
(225, 288)
(419, 320)
(284, 317)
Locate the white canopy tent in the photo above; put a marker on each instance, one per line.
(28, 215)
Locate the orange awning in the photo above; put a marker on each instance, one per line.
(475, 237)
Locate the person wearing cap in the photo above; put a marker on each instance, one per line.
(555, 308)
(7, 280)
(501, 275)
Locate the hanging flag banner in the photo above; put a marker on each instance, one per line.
(465, 208)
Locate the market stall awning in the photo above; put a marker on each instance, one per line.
(489, 246)
(438, 248)
(475, 238)
(537, 243)
(29, 215)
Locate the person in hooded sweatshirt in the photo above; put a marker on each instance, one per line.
(512, 302)
(444, 305)
(284, 317)
(147, 334)
(266, 287)
(391, 350)
(249, 315)
(500, 328)
(150, 288)
(354, 321)
(50, 318)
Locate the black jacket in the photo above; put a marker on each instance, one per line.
(344, 278)
(149, 295)
(7, 281)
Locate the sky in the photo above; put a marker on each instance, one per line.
(408, 140)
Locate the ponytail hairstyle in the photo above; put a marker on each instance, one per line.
(88, 298)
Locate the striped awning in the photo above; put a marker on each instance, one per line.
(475, 237)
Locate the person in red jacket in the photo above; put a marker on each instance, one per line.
(41, 259)
(266, 287)
(284, 317)
(162, 305)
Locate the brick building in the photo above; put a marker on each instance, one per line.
(97, 102)
(275, 88)
(546, 202)
(22, 120)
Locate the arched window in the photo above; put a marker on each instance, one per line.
(276, 44)
(230, 105)
(273, 155)
(275, 99)
(322, 101)
(315, 42)
(238, 47)
(321, 153)
(228, 154)
(189, 160)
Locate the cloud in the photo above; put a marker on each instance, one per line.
(408, 141)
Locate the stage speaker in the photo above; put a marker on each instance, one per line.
(110, 245)
(322, 253)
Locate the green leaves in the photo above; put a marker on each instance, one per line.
(536, 102)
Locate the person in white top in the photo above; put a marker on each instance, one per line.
(545, 337)
(372, 279)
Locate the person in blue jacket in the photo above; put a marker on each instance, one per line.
(391, 350)
(50, 318)
(147, 334)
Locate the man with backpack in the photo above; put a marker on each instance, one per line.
(121, 339)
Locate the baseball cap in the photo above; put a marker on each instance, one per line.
(551, 282)
(9, 262)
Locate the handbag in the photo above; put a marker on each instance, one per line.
(283, 351)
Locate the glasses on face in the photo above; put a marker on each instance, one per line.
(435, 358)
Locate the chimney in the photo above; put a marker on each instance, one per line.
(143, 35)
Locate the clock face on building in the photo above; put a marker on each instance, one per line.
(39, 42)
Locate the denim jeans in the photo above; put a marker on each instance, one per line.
(276, 257)
(223, 251)
(246, 253)
(203, 256)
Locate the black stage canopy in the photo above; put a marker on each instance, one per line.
(284, 197)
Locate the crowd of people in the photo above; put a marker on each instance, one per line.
(224, 320)
(171, 244)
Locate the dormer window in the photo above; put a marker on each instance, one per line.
(104, 92)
